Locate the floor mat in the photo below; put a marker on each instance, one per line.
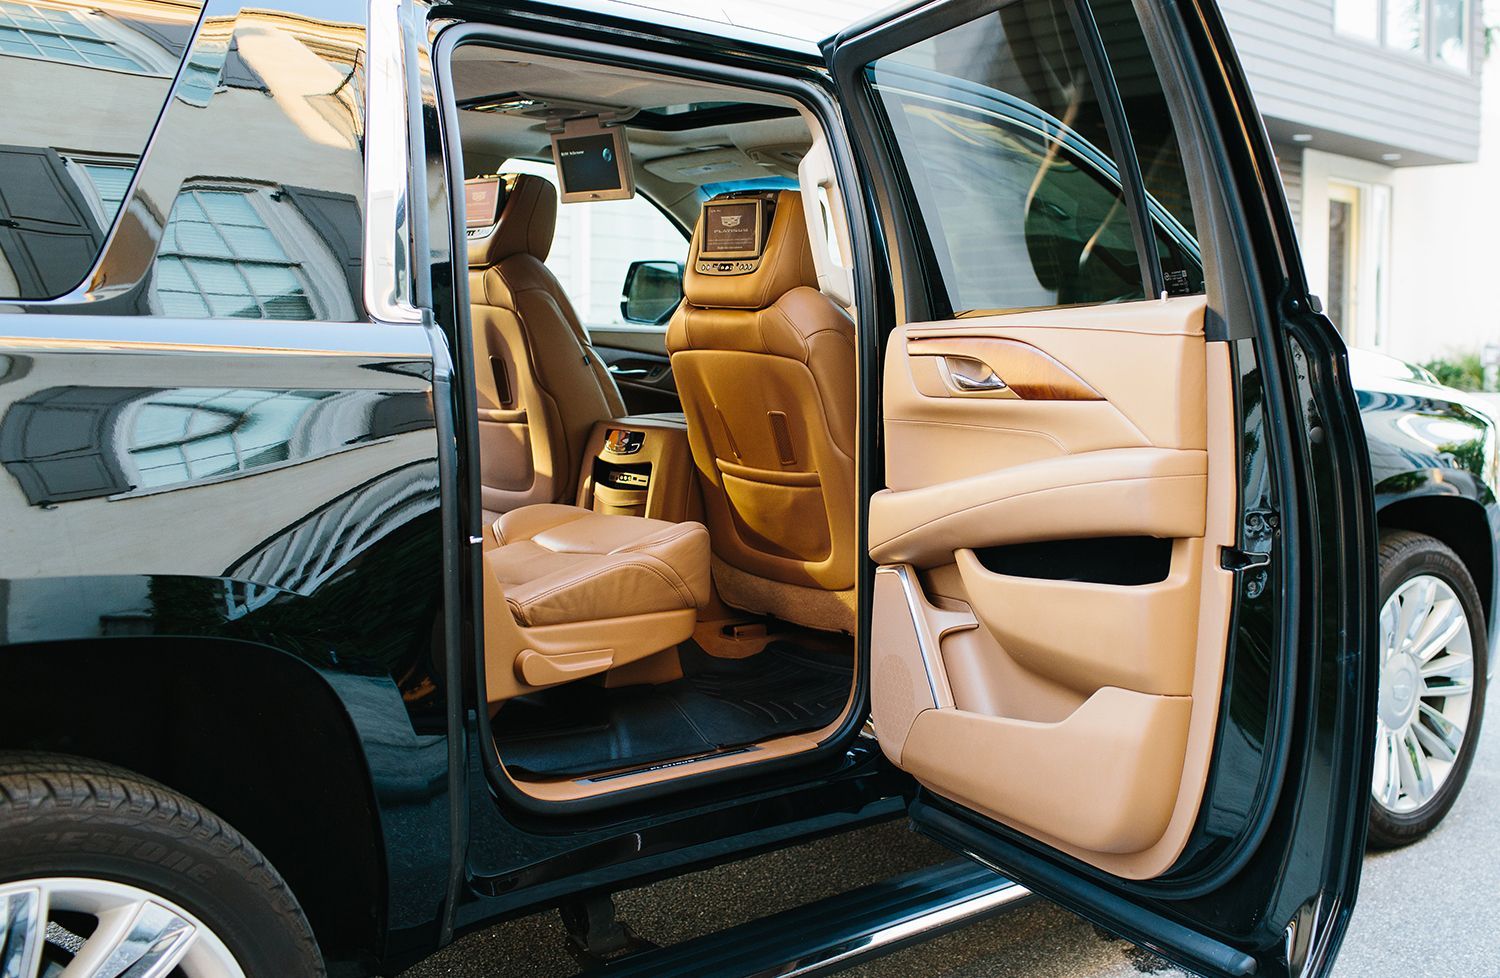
(578, 729)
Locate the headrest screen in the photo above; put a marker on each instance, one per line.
(593, 162)
(482, 196)
(733, 228)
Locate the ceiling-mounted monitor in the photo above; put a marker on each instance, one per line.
(593, 161)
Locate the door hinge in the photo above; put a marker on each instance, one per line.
(1259, 522)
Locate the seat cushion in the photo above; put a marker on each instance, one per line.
(563, 564)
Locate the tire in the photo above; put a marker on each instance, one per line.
(73, 829)
(1424, 573)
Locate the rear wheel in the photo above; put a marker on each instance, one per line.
(105, 872)
(1432, 668)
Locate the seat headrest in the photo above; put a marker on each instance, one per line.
(786, 263)
(528, 216)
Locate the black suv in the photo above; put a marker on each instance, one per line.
(965, 446)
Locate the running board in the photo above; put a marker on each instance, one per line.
(837, 932)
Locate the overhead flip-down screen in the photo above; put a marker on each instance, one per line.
(593, 162)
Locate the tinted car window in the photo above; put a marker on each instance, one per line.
(1156, 144)
(95, 77)
(1004, 142)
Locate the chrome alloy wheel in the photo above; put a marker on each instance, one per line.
(1426, 684)
(89, 928)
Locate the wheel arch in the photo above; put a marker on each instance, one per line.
(253, 734)
(1457, 521)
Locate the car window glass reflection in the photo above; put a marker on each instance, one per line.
(225, 222)
(218, 258)
(95, 76)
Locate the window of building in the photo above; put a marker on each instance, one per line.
(202, 75)
(1450, 33)
(1436, 30)
(1403, 25)
(59, 35)
(219, 258)
(595, 243)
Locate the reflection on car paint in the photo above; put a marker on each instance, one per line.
(69, 443)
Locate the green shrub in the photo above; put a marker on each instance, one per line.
(1463, 371)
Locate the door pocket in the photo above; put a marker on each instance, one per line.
(1115, 754)
(1085, 635)
(1131, 560)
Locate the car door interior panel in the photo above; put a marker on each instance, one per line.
(1043, 547)
(1143, 389)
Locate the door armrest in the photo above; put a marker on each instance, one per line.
(1157, 492)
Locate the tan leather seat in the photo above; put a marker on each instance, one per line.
(541, 387)
(562, 564)
(765, 366)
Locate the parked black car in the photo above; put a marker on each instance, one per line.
(986, 397)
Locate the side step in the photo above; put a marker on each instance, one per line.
(837, 932)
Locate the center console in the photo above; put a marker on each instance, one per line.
(640, 466)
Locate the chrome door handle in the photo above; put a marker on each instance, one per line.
(988, 382)
(628, 371)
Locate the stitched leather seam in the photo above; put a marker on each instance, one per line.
(655, 541)
(574, 580)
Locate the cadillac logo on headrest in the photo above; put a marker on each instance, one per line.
(730, 220)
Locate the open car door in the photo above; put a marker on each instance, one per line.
(1124, 604)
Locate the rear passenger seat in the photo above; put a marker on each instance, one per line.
(566, 564)
(591, 591)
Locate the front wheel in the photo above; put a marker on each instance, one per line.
(103, 872)
(1432, 670)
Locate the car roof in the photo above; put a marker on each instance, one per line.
(711, 29)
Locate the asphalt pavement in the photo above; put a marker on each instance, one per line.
(1432, 909)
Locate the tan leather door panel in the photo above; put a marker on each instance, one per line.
(1076, 704)
(1143, 359)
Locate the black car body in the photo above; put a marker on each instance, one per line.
(1428, 453)
(277, 617)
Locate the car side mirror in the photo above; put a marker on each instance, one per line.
(652, 291)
